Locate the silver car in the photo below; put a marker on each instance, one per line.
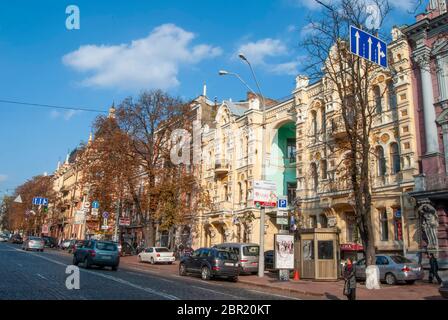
(393, 268)
(33, 243)
(248, 254)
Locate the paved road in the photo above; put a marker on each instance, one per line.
(41, 275)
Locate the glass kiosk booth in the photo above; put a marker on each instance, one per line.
(319, 253)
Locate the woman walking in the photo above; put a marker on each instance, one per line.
(350, 280)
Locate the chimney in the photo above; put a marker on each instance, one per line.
(204, 91)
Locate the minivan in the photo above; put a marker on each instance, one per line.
(248, 254)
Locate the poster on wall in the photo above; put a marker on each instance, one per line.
(284, 251)
(307, 249)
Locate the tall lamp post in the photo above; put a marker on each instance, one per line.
(263, 173)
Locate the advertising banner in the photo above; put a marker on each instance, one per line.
(265, 193)
(80, 217)
(284, 251)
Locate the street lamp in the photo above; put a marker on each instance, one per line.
(262, 210)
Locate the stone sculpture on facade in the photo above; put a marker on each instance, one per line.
(430, 224)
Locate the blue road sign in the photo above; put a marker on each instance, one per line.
(40, 201)
(368, 47)
(105, 215)
(95, 204)
(282, 203)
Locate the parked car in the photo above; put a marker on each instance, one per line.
(211, 262)
(33, 243)
(50, 242)
(444, 289)
(97, 253)
(248, 254)
(65, 244)
(76, 244)
(156, 255)
(17, 239)
(393, 268)
(3, 238)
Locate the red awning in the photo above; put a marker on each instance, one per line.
(351, 247)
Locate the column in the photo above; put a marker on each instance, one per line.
(445, 145)
(432, 145)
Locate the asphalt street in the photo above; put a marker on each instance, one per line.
(42, 275)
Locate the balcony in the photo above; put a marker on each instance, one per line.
(386, 117)
(221, 167)
(433, 182)
(337, 128)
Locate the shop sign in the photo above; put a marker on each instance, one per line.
(351, 247)
(265, 193)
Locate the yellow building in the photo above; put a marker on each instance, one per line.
(300, 136)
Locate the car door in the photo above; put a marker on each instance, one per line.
(192, 262)
(382, 263)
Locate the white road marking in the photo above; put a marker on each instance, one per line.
(219, 292)
(115, 279)
(41, 276)
(20, 265)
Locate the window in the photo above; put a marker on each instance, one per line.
(384, 223)
(314, 176)
(323, 119)
(240, 192)
(381, 261)
(251, 251)
(323, 221)
(291, 150)
(400, 259)
(323, 169)
(313, 220)
(442, 76)
(204, 253)
(381, 161)
(395, 158)
(291, 192)
(325, 250)
(392, 95)
(378, 100)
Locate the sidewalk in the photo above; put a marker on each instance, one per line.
(324, 290)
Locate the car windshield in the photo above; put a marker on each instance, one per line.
(106, 246)
(227, 255)
(162, 250)
(401, 259)
(251, 250)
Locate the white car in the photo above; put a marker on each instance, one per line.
(156, 255)
(3, 238)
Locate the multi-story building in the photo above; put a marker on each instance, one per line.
(300, 134)
(428, 40)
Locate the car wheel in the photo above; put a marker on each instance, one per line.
(152, 260)
(390, 279)
(233, 279)
(75, 261)
(205, 273)
(182, 270)
(114, 268)
(410, 281)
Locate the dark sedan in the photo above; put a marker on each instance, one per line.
(211, 262)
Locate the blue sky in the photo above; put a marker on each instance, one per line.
(123, 47)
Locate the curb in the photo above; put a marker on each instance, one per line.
(290, 290)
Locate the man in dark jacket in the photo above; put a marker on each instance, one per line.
(433, 269)
(350, 280)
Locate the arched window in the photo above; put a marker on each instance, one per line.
(378, 100)
(395, 158)
(381, 161)
(392, 95)
(323, 221)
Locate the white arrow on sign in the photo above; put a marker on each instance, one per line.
(370, 48)
(357, 42)
(380, 53)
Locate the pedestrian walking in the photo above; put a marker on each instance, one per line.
(433, 269)
(350, 280)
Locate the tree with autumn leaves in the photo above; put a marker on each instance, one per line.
(128, 163)
(25, 216)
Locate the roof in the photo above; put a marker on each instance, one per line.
(237, 108)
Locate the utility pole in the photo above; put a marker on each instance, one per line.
(117, 220)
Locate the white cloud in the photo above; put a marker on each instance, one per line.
(260, 52)
(150, 62)
(312, 4)
(66, 115)
(407, 5)
(3, 177)
(257, 51)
